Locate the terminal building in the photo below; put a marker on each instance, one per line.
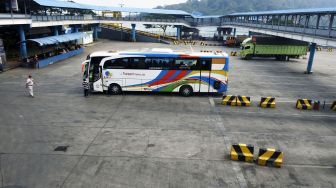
(36, 33)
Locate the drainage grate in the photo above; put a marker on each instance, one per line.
(150, 145)
(61, 148)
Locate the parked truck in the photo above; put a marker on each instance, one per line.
(234, 41)
(278, 47)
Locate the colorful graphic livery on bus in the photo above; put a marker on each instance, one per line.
(157, 70)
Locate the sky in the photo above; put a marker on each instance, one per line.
(131, 3)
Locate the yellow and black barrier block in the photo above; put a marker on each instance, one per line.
(243, 101)
(202, 44)
(233, 53)
(270, 157)
(176, 42)
(267, 102)
(330, 50)
(242, 152)
(333, 106)
(304, 104)
(229, 100)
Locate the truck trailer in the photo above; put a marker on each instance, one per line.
(278, 47)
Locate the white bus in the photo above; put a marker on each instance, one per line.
(157, 70)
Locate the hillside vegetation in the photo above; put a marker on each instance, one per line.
(220, 7)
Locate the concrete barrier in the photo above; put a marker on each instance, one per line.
(229, 100)
(333, 106)
(270, 157)
(242, 152)
(243, 101)
(267, 102)
(233, 53)
(304, 104)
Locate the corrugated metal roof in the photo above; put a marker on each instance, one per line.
(61, 4)
(210, 16)
(58, 39)
(139, 10)
(66, 4)
(291, 11)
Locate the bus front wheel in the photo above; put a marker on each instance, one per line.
(114, 89)
(186, 91)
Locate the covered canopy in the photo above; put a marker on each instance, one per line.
(67, 4)
(58, 39)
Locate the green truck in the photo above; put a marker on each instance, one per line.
(278, 47)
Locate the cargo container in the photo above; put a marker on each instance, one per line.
(277, 47)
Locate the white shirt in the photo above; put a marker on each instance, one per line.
(30, 82)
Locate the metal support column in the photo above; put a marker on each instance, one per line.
(23, 46)
(55, 30)
(178, 32)
(95, 32)
(133, 33)
(311, 58)
(332, 17)
(234, 32)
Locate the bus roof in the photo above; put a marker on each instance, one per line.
(161, 53)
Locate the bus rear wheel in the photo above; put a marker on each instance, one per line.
(114, 89)
(186, 91)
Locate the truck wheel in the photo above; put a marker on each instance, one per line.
(282, 58)
(186, 91)
(248, 57)
(114, 89)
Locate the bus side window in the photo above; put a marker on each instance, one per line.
(205, 64)
(148, 63)
(116, 63)
(186, 64)
(136, 63)
(108, 64)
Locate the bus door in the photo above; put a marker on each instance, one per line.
(205, 73)
(95, 74)
(98, 81)
(85, 69)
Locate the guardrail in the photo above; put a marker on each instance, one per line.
(142, 19)
(57, 18)
(103, 18)
(47, 18)
(292, 29)
(15, 16)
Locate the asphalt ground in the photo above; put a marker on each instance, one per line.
(164, 140)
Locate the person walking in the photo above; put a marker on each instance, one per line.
(1, 65)
(30, 85)
(86, 88)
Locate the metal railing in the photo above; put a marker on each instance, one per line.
(291, 29)
(14, 16)
(45, 18)
(57, 18)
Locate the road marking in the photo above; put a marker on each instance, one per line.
(294, 77)
(212, 102)
(283, 114)
(227, 140)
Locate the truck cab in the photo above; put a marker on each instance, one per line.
(247, 49)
